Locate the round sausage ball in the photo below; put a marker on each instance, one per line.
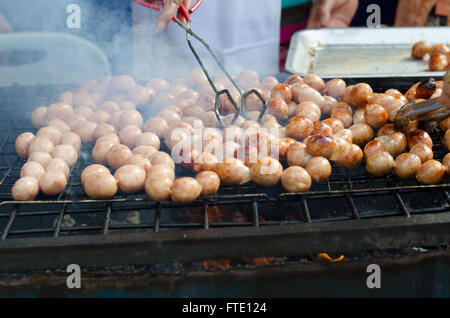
(66, 152)
(380, 163)
(296, 179)
(32, 169)
(161, 157)
(39, 117)
(406, 165)
(118, 155)
(361, 134)
(320, 145)
(22, 144)
(185, 190)
(232, 171)
(421, 48)
(158, 189)
(25, 189)
(130, 117)
(101, 149)
(58, 164)
(297, 155)
(431, 172)
(41, 157)
(130, 178)
(100, 185)
(266, 172)
(129, 134)
(299, 127)
(148, 139)
(92, 170)
(40, 144)
(319, 169)
(53, 182)
(422, 151)
(375, 115)
(209, 181)
(72, 139)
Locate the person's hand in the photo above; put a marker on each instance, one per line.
(170, 10)
(445, 97)
(4, 24)
(332, 13)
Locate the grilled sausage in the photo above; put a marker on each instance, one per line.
(62, 126)
(319, 169)
(39, 117)
(57, 164)
(40, 144)
(419, 136)
(395, 143)
(297, 155)
(161, 157)
(357, 95)
(309, 110)
(53, 182)
(209, 181)
(335, 88)
(41, 157)
(25, 189)
(278, 108)
(232, 171)
(130, 178)
(320, 145)
(296, 179)
(118, 155)
(129, 134)
(130, 117)
(431, 172)
(185, 190)
(103, 129)
(419, 49)
(406, 165)
(85, 129)
(422, 151)
(22, 144)
(32, 169)
(299, 127)
(266, 172)
(158, 189)
(100, 186)
(314, 81)
(380, 163)
(361, 133)
(66, 152)
(375, 115)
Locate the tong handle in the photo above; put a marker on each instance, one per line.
(184, 12)
(148, 4)
(417, 111)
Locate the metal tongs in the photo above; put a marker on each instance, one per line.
(425, 115)
(189, 35)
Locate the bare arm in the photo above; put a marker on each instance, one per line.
(4, 24)
(332, 13)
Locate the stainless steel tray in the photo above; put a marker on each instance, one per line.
(362, 52)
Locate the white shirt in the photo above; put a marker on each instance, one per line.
(245, 34)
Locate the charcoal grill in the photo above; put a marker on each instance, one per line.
(351, 212)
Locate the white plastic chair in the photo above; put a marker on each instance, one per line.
(63, 59)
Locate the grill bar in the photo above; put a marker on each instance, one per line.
(219, 243)
(10, 222)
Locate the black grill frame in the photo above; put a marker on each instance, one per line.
(262, 229)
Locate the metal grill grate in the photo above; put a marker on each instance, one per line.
(72, 218)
